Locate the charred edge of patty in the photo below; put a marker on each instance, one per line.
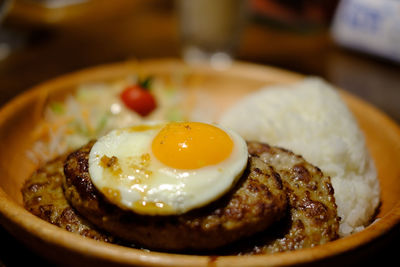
(313, 210)
(44, 197)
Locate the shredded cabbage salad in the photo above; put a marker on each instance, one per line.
(91, 111)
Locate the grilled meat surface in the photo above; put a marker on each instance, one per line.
(257, 201)
(44, 197)
(277, 186)
(313, 216)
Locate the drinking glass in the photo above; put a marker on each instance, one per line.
(210, 30)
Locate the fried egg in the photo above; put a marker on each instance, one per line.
(167, 168)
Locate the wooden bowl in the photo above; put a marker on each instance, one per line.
(225, 87)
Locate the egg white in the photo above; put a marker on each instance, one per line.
(141, 183)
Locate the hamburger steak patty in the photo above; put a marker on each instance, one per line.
(313, 211)
(44, 197)
(257, 201)
(310, 220)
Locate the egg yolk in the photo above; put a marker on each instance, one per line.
(191, 145)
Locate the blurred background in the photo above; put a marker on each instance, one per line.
(354, 44)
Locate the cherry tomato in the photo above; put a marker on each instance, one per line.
(138, 99)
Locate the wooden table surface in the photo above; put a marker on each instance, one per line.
(49, 43)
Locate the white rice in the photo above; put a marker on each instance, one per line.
(310, 119)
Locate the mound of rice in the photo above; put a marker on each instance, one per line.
(311, 119)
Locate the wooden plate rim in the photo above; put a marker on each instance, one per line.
(11, 212)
